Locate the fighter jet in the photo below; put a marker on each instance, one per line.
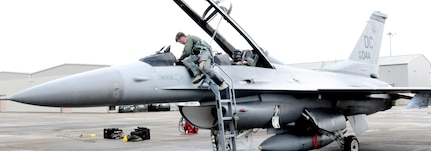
(301, 109)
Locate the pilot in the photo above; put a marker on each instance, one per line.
(240, 58)
(197, 57)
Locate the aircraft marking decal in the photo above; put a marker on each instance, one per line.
(315, 141)
(368, 44)
(368, 41)
(364, 55)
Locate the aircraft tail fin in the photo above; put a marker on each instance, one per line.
(365, 56)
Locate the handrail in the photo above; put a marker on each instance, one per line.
(231, 86)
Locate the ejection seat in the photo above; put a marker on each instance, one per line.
(222, 59)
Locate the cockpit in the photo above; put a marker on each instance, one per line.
(211, 17)
(164, 57)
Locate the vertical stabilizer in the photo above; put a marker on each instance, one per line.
(367, 48)
(365, 56)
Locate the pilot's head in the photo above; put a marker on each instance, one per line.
(180, 37)
(236, 56)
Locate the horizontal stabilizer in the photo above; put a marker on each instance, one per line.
(419, 101)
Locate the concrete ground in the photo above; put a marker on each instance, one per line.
(397, 129)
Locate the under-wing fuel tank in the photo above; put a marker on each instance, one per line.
(248, 116)
(293, 142)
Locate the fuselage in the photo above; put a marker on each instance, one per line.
(140, 83)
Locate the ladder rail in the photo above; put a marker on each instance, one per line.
(229, 119)
(231, 85)
(222, 136)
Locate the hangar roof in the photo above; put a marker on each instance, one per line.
(404, 59)
(12, 75)
(67, 69)
(63, 69)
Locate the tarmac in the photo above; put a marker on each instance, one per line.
(397, 129)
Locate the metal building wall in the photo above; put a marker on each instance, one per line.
(419, 72)
(395, 75)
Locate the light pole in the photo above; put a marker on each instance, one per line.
(390, 34)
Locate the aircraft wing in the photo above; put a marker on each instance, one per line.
(386, 90)
(419, 99)
(419, 96)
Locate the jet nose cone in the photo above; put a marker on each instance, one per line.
(94, 88)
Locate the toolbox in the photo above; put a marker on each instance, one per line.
(112, 133)
(142, 132)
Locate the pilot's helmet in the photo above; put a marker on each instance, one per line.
(236, 55)
(179, 34)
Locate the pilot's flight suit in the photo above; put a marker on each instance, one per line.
(201, 53)
(189, 60)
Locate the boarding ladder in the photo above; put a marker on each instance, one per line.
(225, 138)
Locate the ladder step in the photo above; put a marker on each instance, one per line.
(227, 118)
(226, 101)
(229, 101)
(229, 136)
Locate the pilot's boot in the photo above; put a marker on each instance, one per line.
(193, 68)
(198, 78)
(197, 74)
(220, 82)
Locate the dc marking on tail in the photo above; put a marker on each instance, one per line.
(368, 43)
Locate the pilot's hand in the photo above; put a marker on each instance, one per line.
(241, 62)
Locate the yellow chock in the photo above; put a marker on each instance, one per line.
(125, 139)
(92, 135)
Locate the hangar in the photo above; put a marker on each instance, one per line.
(401, 71)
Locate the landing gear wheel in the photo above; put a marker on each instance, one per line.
(217, 145)
(351, 143)
(215, 139)
(181, 125)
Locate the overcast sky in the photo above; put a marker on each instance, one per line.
(39, 34)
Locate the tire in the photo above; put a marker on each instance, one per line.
(351, 143)
(181, 125)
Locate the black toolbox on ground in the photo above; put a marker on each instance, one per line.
(112, 133)
(142, 132)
